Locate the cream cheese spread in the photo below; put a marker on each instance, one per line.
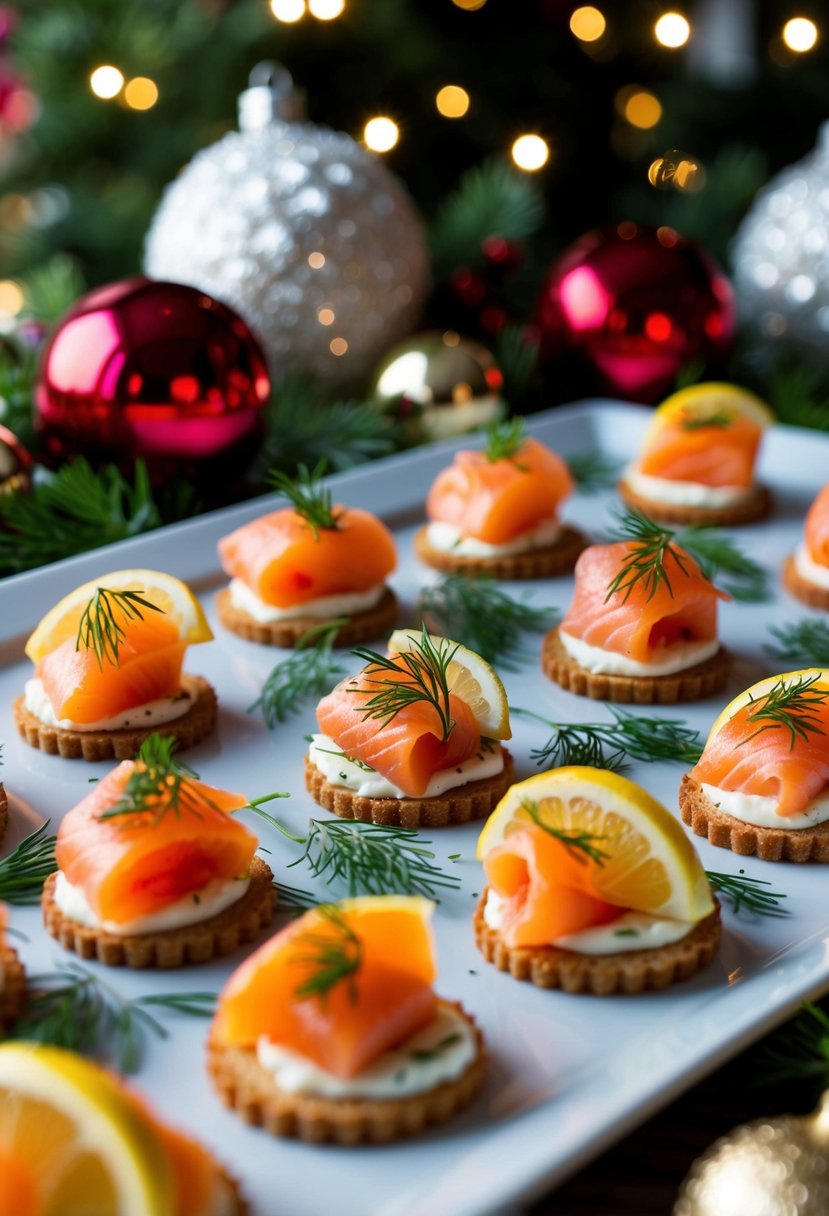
(446, 538)
(684, 493)
(151, 713)
(761, 810)
(339, 769)
(439, 1052)
(809, 569)
(326, 606)
(608, 662)
(200, 905)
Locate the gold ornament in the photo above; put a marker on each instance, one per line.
(440, 385)
(771, 1167)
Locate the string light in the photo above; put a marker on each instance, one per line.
(587, 23)
(678, 171)
(380, 134)
(452, 101)
(800, 34)
(639, 107)
(326, 10)
(141, 93)
(106, 82)
(288, 11)
(11, 298)
(469, 5)
(672, 30)
(530, 152)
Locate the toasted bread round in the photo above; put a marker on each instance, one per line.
(756, 505)
(361, 627)
(559, 557)
(801, 588)
(13, 989)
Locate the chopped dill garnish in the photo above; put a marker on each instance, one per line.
(504, 439)
(582, 845)
(717, 418)
(307, 495)
(308, 671)
(746, 895)
(100, 629)
(803, 644)
(482, 616)
(592, 472)
(789, 705)
(424, 679)
(335, 957)
(610, 744)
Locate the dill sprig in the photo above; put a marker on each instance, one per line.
(335, 957)
(790, 706)
(611, 744)
(100, 628)
(424, 679)
(482, 617)
(367, 858)
(592, 471)
(307, 495)
(582, 845)
(716, 555)
(294, 899)
(800, 1052)
(309, 670)
(803, 644)
(75, 1009)
(25, 870)
(746, 894)
(698, 422)
(504, 437)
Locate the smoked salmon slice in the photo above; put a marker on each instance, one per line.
(546, 890)
(150, 658)
(816, 529)
(129, 866)
(633, 622)
(385, 994)
(497, 500)
(720, 454)
(408, 749)
(286, 563)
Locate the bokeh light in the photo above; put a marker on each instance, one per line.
(288, 11)
(672, 30)
(530, 152)
(639, 107)
(381, 134)
(587, 23)
(452, 101)
(326, 10)
(469, 5)
(141, 93)
(106, 81)
(676, 170)
(800, 34)
(338, 346)
(11, 298)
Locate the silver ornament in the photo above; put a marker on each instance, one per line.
(781, 254)
(303, 232)
(772, 1167)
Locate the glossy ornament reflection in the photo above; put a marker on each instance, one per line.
(15, 463)
(629, 306)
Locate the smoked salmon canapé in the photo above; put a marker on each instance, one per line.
(761, 786)
(12, 978)
(696, 465)
(592, 886)
(154, 870)
(806, 571)
(296, 569)
(496, 511)
(108, 669)
(414, 738)
(331, 1031)
(642, 625)
(75, 1139)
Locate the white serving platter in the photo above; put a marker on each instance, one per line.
(569, 1075)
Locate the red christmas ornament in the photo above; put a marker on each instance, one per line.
(154, 370)
(632, 306)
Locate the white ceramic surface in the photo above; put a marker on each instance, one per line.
(569, 1075)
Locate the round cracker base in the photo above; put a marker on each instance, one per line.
(4, 811)
(475, 800)
(691, 684)
(13, 991)
(747, 511)
(601, 974)
(198, 943)
(189, 729)
(545, 562)
(801, 588)
(727, 832)
(246, 1087)
(361, 627)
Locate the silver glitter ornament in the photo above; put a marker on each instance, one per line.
(781, 255)
(772, 1167)
(306, 234)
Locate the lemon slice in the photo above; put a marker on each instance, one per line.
(651, 865)
(711, 399)
(469, 677)
(759, 690)
(169, 594)
(76, 1141)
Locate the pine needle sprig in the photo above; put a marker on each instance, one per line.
(610, 744)
(504, 438)
(746, 894)
(100, 629)
(367, 858)
(800, 1052)
(424, 675)
(789, 705)
(583, 846)
(483, 617)
(308, 496)
(75, 1009)
(335, 957)
(802, 644)
(310, 670)
(592, 471)
(24, 871)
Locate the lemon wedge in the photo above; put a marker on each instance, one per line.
(820, 676)
(173, 597)
(75, 1141)
(469, 677)
(650, 864)
(711, 399)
